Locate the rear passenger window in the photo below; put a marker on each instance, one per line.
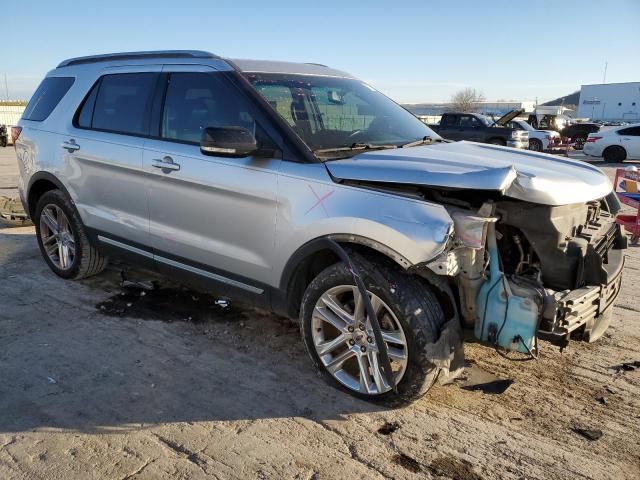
(119, 103)
(195, 101)
(46, 97)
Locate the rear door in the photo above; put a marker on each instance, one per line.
(630, 140)
(211, 217)
(104, 155)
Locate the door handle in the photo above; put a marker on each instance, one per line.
(71, 146)
(166, 164)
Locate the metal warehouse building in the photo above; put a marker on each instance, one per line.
(610, 101)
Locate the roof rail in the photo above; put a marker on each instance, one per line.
(108, 57)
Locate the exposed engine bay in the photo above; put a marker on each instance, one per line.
(526, 270)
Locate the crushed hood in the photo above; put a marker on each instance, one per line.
(520, 174)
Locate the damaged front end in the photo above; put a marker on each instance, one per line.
(525, 270)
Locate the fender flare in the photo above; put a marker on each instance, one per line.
(43, 175)
(321, 243)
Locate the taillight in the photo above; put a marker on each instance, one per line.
(15, 133)
(591, 139)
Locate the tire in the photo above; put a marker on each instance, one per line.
(85, 260)
(412, 306)
(535, 145)
(614, 154)
(497, 141)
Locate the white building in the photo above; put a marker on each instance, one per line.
(10, 114)
(610, 101)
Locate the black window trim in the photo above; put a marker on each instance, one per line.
(292, 148)
(98, 84)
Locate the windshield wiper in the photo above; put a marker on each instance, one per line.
(422, 141)
(354, 147)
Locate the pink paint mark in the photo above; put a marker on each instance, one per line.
(319, 200)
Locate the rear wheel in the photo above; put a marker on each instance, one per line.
(62, 238)
(614, 154)
(340, 341)
(535, 145)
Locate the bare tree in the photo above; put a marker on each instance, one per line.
(466, 100)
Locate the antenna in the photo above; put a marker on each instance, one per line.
(604, 76)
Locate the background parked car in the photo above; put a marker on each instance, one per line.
(577, 132)
(539, 140)
(479, 128)
(615, 144)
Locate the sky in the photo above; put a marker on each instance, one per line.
(413, 51)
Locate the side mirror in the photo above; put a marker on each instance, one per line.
(227, 142)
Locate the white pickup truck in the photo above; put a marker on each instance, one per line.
(539, 140)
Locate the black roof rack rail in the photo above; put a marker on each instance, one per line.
(108, 57)
(317, 64)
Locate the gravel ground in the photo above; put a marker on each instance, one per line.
(94, 384)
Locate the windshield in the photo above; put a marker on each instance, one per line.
(486, 120)
(331, 112)
(522, 125)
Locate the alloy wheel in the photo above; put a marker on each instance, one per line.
(345, 343)
(57, 237)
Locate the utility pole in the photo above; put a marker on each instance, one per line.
(604, 76)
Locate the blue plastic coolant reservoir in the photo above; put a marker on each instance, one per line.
(507, 315)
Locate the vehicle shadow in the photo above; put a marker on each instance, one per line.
(65, 363)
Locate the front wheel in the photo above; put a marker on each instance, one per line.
(535, 145)
(340, 341)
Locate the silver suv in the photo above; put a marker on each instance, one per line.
(302, 189)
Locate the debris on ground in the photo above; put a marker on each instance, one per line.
(453, 468)
(626, 367)
(588, 433)
(601, 399)
(407, 462)
(388, 428)
(12, 213)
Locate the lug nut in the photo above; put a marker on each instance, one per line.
(352, 342)
(361, 326)
(350, 329)
(369, 339)
(363, 349)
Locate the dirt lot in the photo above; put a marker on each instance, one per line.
(192, 389)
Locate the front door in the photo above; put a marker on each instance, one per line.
(210, 216)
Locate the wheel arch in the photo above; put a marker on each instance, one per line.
(316, 255)
(40, 183)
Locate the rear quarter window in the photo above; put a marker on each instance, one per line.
(47, 97)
